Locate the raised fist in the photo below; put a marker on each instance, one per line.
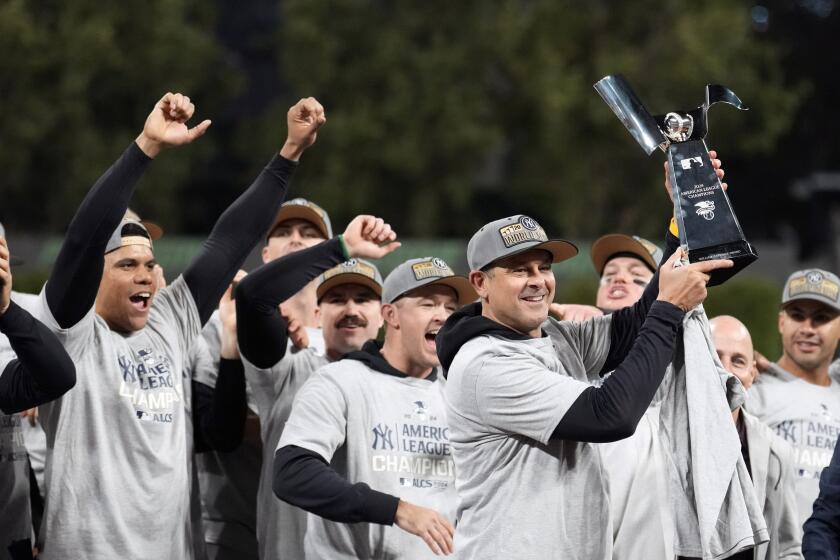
(166, 125)
(369, 237)
(303, 121)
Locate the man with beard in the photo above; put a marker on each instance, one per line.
(796, 396)
(34, 369)
(118, 477)
(769, 458)
(348, 294)
(229, 481)
(521, 410)
(367, 445)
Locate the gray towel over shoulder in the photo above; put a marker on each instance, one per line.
(715, 508)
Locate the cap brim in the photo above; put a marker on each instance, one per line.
(812, 297)
(299, 212)
(560, 250)
(348, 278)
(466, 293)
(155, 231)
(608, 245)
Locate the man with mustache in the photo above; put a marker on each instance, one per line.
(796, 396)
(348, 295)
(521, 410)
(34, 369)
(229, 481)
(367, 445)
(769, 458)
(118, 477)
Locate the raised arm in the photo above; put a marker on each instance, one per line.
(612, 411)
(74, 281)
(261, 328)
(42, 370)
(245, 222)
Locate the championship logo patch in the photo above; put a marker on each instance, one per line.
(649, 247)
(814, 283)
(524, 231)
(352, 266)
(303, 202)
(434, 268)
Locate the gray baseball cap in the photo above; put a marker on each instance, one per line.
(129, 232)
(302, 209)
(511, 236)
(608, 246)
(354, 271)
(814, 284)
(415, 273)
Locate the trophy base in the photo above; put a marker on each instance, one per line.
(741, 253)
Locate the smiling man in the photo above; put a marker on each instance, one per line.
(367, 444)
(118, 477)
(349, 300)
(520, 407)
(796, 396)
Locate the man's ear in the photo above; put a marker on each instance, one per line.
(479, 280)
(389, 315)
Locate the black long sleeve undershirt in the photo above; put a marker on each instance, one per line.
(260, 329)
(642, 340)
(219, 413)
(302, 478)
(236, 232)
(74, 280)
(42, 371)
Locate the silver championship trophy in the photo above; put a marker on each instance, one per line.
(708, 226)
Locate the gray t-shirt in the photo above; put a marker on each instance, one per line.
(117, 475)
(15, 519)
(805, 415)
(387, 431)
(522, 494)
(280, 527)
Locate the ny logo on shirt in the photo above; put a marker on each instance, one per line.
(382, 435)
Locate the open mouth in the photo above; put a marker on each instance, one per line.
(533, 299)
(141, 300)
(617, 292)
(431, 336)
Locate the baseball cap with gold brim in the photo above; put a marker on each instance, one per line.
(416, 273)
(513, 235)
(354, 271)
(302, 209)
(608, 246)
(813, 284)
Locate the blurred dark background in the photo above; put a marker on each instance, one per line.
(441, 116)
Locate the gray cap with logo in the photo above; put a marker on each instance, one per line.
(511, 236)
(814, 284)
(416, 273)
(354, 271)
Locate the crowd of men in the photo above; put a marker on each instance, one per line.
(311, 409)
